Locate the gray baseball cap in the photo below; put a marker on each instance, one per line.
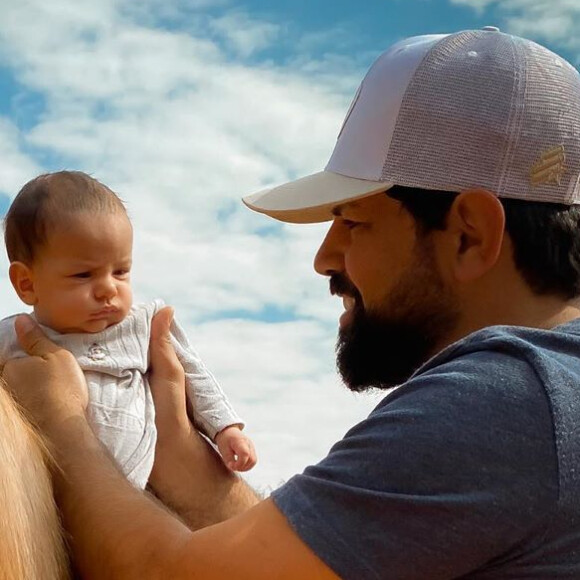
(474, 109)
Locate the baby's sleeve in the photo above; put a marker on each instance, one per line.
(9, 347)
(212, 410)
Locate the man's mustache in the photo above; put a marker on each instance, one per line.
(341, 285)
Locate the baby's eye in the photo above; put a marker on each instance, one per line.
(121, 272)
(81, 275)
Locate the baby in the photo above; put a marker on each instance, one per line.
(69, 241)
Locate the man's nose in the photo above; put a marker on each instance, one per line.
(330, 256)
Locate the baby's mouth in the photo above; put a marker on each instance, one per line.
(105, 311)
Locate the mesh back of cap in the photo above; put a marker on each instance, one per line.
(480, 111)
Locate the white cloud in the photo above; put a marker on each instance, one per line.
(478, 5)
(243, 34)
(17, 166)
(282, 381)
(554, 21)
(174, 120)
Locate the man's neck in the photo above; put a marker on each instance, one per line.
(536, 312)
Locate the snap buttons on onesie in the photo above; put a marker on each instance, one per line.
(97, 352)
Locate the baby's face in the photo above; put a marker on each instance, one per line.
(81, 276)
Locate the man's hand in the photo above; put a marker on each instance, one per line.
(167, 381)
(48, 384)
(175, 433)
(101, 510)
(188, 474)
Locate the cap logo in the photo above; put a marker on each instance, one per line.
(550, 168)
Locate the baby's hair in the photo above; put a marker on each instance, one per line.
(43, 202)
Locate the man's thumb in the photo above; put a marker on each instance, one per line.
(162, 353)
(31, 338)
(161, 323)
(166, 377)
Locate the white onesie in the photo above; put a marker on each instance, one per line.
(115, 363)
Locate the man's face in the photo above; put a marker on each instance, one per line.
(81, 277)
(397, 306)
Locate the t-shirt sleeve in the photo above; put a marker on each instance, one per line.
(447, 475)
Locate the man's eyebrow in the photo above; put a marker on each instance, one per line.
(338, 209)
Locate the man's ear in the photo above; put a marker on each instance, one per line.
(477, 220)
(22, 279)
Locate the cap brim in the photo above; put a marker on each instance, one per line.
(311, 199)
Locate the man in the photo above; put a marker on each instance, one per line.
(454, 244)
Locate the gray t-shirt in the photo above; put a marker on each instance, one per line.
(471, 469)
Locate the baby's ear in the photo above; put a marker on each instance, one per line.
(23, 281)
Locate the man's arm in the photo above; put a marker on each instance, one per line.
(119, 532)
(188, 475)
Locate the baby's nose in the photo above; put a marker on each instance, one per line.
(105, 288)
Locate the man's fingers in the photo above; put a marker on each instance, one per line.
(163, 358)
(166, 377)
(49, 384)
(161, 323)
(31, 338)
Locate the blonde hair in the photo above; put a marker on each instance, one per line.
(32, 545)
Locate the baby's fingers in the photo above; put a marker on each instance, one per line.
(230, 458)
(246, 456)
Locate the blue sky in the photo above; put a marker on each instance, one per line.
(182, 107)
(295, 30)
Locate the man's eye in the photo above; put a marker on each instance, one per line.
(350, 224)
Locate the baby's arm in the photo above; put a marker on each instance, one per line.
(212, 412)
(236, 449)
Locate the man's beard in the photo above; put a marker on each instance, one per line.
(382, 348)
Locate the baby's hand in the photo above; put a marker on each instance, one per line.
(236, 449)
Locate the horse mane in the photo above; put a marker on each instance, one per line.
(32, 545)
